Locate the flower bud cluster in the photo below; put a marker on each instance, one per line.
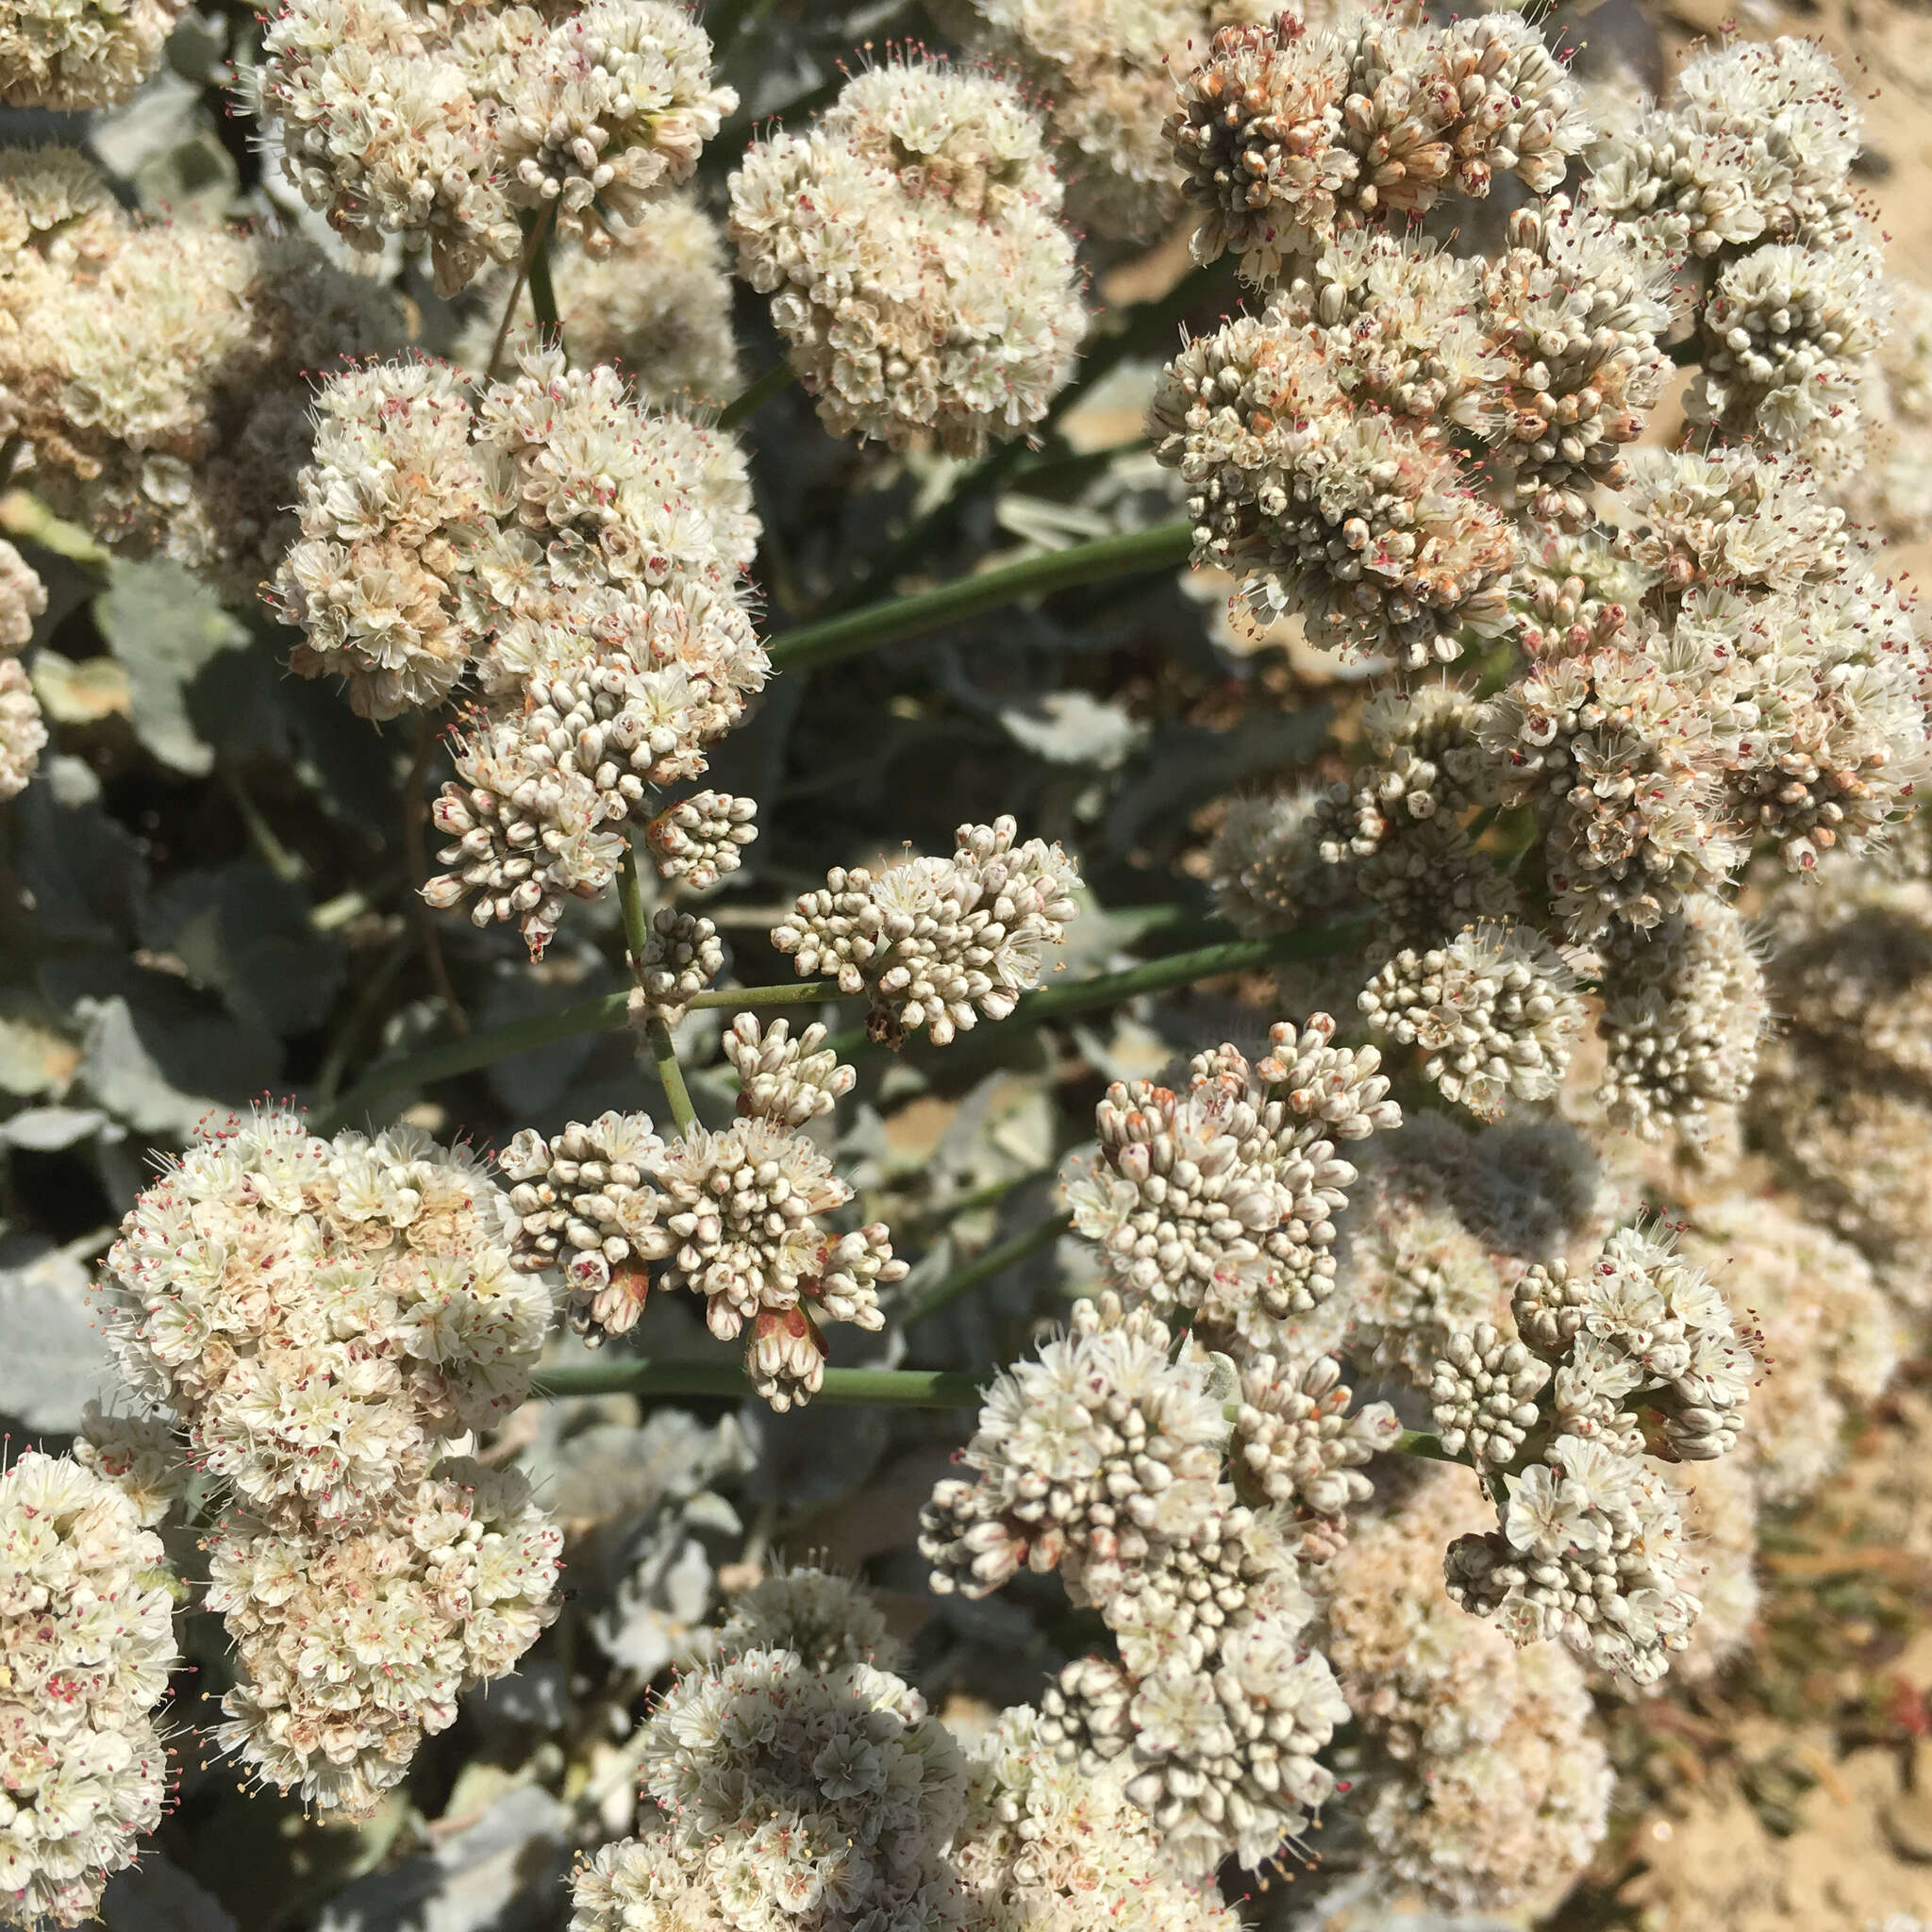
(1216, 1202)
(1485, 1784)
(1590, 1547)
(1285, 133)
(1684, 1009)
(441, 130)
(913, 248)
(353, 1648)
(322, 1319)
(818, 1795)
(1105, 1458)
(682, 955)
(937, 942)
(741, 1217)
(830, 1622)
(22, 598)
(23, 730)
(1748, 170)
(72, 54)
(86, 1640)
(699, 839)
(1495, 1012)
(158, 376)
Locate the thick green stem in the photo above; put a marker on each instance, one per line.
(995, 1260)
(630, 901)
(670, 1075)
(745, 404)
(1162, 548)
(542, 289)
(536, 243)
(611, 1012)
(889, 1387)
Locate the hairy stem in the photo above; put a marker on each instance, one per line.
(1162, 548)
(890, 1388)
(747, 403)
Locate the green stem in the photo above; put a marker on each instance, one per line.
(995, 1260)
(1421, 1442)
(890, 1388)
(670, 1075)
(542, 289)
(1164, 548)
(611, 1011)
(747, 403)
(631, 900)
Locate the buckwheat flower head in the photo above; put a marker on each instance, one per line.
(159, 377)
(353, 1648)
(1092, 1457)
(830, 1622)
(1214, 1713)
(1614, 749)
(1410, 1275)
(682, 955)
(937, 942)
(1266, 867)
(23, 731)
(318, 1315)
(1683, 1009)
(585, 1208)
(439, 129)
(702, 837)
(1296, 1444)
(143, 1455)
(1829, 1339)
(1285, 134)
(22, 597)
(1043, 1846)
(1216, 1201)
(1786, 336)
(1576, 314)
(73, 53)
(1361, 520)
(87, 1640)
(783, 1078)
(913, 248)
(1103, 70)
(657, 302)
(1488, 1783)
(820, 1797)
(1495, 1012)
(746, 1210)
(1483, 1394)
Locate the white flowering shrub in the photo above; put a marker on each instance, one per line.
(952, 988)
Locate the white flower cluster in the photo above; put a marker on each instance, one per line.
(1748, 172)
(1485, 1784)
(657, 303)
(1844, 1101)
(790, 1792)
(442, 128)
(828, 1619)
(159, 377)
(320, 1315)
(1104, 1458)
(322, 1319)
(682, 955)
(73, 53)
(1592, 1547)
(1046, 1845)
(1494, 1012)
(741, 1217)
(913, 248)
(354, 1646)
(87, 1640)
(581, 553)
(1216, 1202)
(1286, 133)
(937, 942)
